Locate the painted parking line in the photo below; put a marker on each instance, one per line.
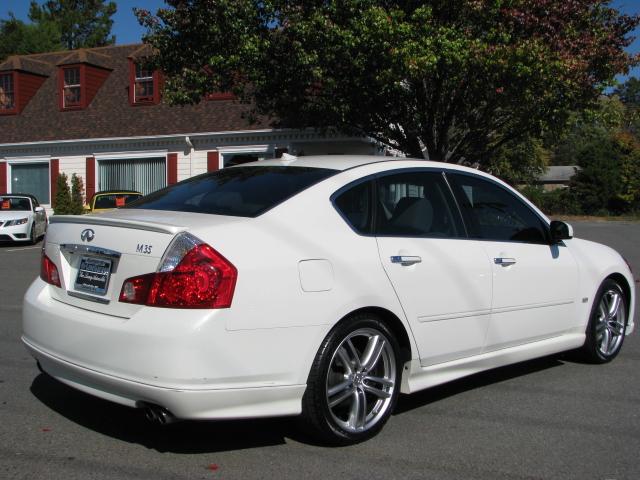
(20, 249)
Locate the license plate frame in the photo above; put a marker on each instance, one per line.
(93, 275)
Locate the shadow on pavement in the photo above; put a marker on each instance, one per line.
(478, 380)
(129, 424)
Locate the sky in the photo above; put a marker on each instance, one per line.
(127, 30)
(125, 25)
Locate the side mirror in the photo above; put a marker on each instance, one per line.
(560, 231)
(39, 209)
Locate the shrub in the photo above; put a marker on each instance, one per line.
(77, 195)
(62, 200)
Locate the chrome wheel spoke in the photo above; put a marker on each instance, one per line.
(376, 391)
(341, 396)
(604, 342)
(358, 413)
(613, 305)
(372, 353)
(344, 358)
(354, 354)
(339, 388)
(382, 381)
(616, 328)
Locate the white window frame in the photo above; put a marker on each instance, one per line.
(66, 86)
(266, 149)
(137, 80)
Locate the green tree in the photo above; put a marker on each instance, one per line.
(629, 94)
(18, 38)
(62, 200)
(519, 162)
(450, 80)
(77, 195)
(82, 23)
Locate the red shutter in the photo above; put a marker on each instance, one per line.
(213, 161)
(3, 177)
(90, 177)
(172, 168)
(54, 171)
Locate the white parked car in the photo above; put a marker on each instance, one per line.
(22, 219)
(321, 286)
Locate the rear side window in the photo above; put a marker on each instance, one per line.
(354, 205)
(239, 191)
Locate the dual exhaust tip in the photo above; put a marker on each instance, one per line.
(157, 414)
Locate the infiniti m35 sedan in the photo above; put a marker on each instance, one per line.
(317, 286)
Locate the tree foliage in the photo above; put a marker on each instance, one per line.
(77, 195)
(62, 200)
(81, 23)
(453, 80)
(18, 38)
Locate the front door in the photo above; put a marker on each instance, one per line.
(534, 282)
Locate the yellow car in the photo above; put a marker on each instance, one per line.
(110, 199)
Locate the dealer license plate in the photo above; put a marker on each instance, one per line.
(93, 275)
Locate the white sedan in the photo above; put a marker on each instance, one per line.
(22, 219)
(321, 286)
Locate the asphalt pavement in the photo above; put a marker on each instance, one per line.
(551, 418)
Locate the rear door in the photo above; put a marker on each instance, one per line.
(534, 281)
(442, 279)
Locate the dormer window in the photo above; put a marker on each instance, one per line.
(144, 87)
(72, 89)
(7, 93)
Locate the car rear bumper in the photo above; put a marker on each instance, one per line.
(183, 360)
(181, 403)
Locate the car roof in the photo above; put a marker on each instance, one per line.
(112, 192)
(347, 162)
(10, 195)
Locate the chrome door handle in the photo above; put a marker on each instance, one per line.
(405, 260)
(505, 262)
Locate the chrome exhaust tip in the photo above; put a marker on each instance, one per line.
(158, 415)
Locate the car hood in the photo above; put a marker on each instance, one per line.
(13, 214)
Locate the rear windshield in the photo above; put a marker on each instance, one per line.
(240, 191)
(115, 200)
(15, 203)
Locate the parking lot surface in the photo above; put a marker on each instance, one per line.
(551, 418)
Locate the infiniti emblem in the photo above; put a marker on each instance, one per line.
(87, 235)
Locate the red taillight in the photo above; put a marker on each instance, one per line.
(49, 271)
(202, 279)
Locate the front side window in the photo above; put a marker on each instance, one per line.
(7, 92)
(245, 191)
(494, 213)
(416, 204)
(143, 85)
(72, 90)
(32, 178)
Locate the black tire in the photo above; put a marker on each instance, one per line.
(32, 235)
(607, 324)
(364, 392)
